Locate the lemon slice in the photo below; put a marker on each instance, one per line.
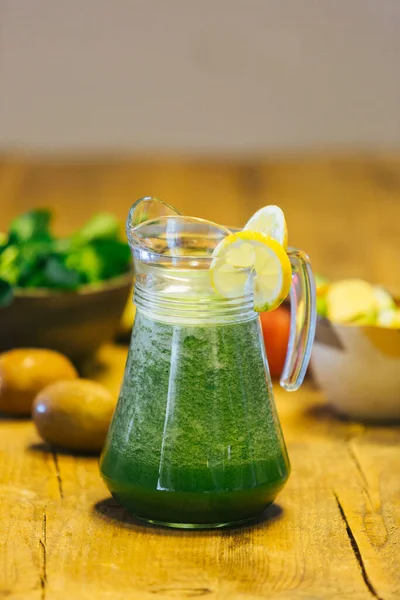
(351, 299)
(269, 220)
(251, 260)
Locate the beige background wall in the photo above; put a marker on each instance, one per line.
(190, 75)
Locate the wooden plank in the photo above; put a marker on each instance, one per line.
(343, 210)
(328, 536)
(308, 420)
(338, 531)
(302, 551)
(22, 553)
(369, 501)
(28, 481)
(363, 470)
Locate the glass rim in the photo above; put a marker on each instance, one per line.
(137, 244)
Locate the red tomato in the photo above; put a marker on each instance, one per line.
(276, 327)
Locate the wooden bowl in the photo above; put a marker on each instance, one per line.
(74, 323)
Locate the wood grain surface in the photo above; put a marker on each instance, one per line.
(333, 533)
(343, 210)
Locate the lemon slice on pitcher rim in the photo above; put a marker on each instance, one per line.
(250, 260)
(269, 220)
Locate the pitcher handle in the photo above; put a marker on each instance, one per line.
(303, 321)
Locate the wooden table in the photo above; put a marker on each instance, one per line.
(344, 210)
(333, 533)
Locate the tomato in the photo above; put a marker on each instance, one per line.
(276, 328)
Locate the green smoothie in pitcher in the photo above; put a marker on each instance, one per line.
(195, 440)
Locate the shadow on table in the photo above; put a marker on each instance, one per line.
(324, 413)
(110, 510)
(15, 418)
(42, 447)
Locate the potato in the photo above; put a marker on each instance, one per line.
(26, 371)
(74, 414)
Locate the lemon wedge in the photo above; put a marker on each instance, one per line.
(251, 260)
(269, 220)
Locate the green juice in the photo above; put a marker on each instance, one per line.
(195, 440)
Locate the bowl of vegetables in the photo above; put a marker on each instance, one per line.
(356, 354)
(67, 294)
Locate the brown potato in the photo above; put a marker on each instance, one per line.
(26, 371)
(74, 414)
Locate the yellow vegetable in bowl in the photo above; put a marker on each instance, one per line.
(349, 300)
(389, 318)
(356, 302)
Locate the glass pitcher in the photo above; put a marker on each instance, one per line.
(195, 441)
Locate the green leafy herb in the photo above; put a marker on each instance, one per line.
(102, 226)
(30, 226)
(31, 257)
(58, 275)
(87, 263)
(9, 267)
(102, 259)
